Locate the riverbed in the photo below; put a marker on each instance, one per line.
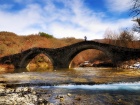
(78, 86)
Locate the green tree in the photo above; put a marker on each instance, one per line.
(43, 34)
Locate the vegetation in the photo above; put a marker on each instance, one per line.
(125, 38)
(45, 35)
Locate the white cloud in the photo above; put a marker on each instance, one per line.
(85, 22)
(73, 19)
(118, 5)
(20, 22)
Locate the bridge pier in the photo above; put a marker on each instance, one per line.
(60, 61)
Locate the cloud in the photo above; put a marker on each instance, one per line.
(118, 5)
(81, 21)
(20, 22)
(74, 20)
(71, 18)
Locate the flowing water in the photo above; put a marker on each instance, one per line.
(81, 86)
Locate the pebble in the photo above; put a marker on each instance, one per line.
(2, 90)
(78, 98)
(69, 94)
(9, 90)
(18, 96)
(49, 95)
(18, 90)
(26, 89)
(61, 99)
(34, 92)
(59, 96)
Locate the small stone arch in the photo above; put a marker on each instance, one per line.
(28, 57)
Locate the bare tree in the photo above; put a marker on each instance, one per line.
(136, 27)
(110, 37)
(135, 12)
(125, 38)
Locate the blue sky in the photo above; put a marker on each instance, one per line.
(65, 18)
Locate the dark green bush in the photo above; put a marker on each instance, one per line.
(43, 34)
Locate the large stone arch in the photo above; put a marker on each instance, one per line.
(28, 57)
(80, 49)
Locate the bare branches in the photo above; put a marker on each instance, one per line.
(135, 10)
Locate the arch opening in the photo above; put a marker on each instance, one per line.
(90, 58)
(41, 62)
(36, 60)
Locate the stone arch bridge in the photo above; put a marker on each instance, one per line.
(61, 57)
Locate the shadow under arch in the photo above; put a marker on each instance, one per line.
(26, 59)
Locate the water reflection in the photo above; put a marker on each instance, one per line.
(20, 70)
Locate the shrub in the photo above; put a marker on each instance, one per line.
(45, 35)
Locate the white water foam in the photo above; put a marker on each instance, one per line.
(113, 86)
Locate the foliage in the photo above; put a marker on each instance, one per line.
(45, 35)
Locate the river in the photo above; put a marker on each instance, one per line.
(78, 86)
